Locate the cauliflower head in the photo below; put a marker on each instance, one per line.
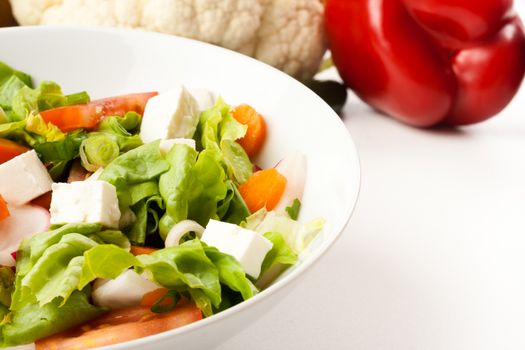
(288, 34)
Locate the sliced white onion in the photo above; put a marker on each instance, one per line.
(293, 168)
(180, 229)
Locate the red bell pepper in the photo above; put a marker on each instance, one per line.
(428, 62)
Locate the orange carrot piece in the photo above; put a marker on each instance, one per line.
(151, 298)
(263, 189)
(10, 149)
(4, 211)
(137, 250)
(253, 141)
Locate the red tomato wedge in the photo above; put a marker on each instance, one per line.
(4, 211)
(149, 299)
(121, 325)
(10, 149)
(89, 115)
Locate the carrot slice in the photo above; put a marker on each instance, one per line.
(137, 250)
(10, 149)
(263, 189)
(4, 211)
(253, 141)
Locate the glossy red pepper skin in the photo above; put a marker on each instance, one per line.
(429, 62)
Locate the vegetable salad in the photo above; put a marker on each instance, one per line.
(132, 215)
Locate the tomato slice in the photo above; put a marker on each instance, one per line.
(121, 325)
(89, 115)
(10, 149)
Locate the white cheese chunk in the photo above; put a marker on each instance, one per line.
(205, 98)
(166, 145)
(24, 178)
(172, 114)
(85, 202)
(247, 246)
(124, 291)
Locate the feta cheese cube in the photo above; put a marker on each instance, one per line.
(205, 98)
(172, 114)
(248, 247)
(85, 202)
(124, 291)
(24, 178)
(166, 145)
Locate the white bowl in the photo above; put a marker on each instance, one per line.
(109, 62)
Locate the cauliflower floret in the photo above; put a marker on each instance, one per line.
(287, 34)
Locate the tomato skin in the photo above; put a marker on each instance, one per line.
(10, 149)
(121, 325)
(429, 62)
(89, 115)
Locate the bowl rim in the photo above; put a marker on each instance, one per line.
(306, 264)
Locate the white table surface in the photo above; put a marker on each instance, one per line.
(434, 256)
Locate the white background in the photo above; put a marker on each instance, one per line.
(434, 257)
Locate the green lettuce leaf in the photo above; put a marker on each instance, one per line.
(218, 131)
(114, 237)
(42, 241)
(238, 165)
(8, 89)
(143, 190)
(293, 210)
(105, 261)
(202, 301)
(46, 96)
(297, 235)
(57, 272)
(16, 131)
(6, 72)
(208, 188)
(34, 322)
(146, 218)
(279, 254)
(231, 273)
(50, 264)
(63, 150)
(7, 285)
(232, 208)
(142, 164)
(175, 186)
(184, 268)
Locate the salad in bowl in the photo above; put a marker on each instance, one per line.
(128, 216)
